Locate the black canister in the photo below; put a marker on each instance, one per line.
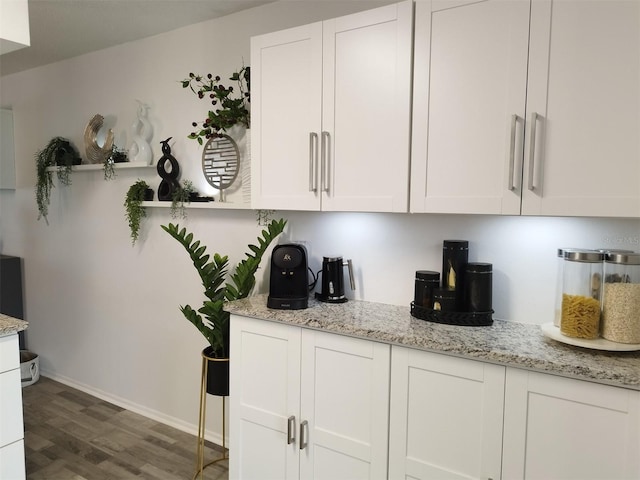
(444, 299)
(455, 255)
(478, 287)
(426, 282)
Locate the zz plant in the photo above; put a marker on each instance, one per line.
(219, 286)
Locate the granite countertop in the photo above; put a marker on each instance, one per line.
(9, 325)
(505, 342)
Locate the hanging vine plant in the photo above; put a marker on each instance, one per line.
(59, 153)
(134, 211)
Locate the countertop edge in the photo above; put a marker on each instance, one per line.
(506, 343)
(10, 325)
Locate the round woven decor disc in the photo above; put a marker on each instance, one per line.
(220, 161)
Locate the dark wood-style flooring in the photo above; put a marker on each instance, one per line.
(70, 435)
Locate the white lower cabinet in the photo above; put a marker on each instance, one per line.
(315, 405)
(12, 464)
(560, 428)
(306, 404)
(446, 417)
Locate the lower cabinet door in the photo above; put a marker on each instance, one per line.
(561, 428)
(345, 402)
(264, 394)
(11, 427)
(446, 417)
(12, 465)
(306, 404)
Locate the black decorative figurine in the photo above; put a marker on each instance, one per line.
(169, 183)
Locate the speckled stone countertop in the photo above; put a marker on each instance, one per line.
(505, 342)
(9, 325)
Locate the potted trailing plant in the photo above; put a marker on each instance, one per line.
(60, 153)
(179, 197)
(134, 211)
(116, 156)
(232, 104)
(219, 287)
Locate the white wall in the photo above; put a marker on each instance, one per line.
(104, 315)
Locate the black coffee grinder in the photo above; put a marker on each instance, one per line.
(289, 280)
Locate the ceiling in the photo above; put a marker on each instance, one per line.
(67, 28)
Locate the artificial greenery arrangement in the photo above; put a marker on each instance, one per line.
(179, 197)
(60, 153)
(116, 156)
(232, 105)
(135, 212)
(210, 319)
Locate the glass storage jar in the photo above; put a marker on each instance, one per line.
(581, 294)
(621, 298)
(559, 271)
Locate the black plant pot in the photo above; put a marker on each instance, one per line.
(217, 374)
(148, 194)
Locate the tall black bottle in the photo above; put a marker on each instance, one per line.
(455, 256)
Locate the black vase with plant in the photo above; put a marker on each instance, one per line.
(231, 104)
(211, 320)
(59, 153)
(135, 212)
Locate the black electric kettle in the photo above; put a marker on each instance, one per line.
(333, 280)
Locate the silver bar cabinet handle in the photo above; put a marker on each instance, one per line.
(532, 151)
(303, 438)
(325, 161)
(291, 430)
(512, 151)
(313, 161)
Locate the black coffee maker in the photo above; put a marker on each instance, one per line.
(333, 280)
(289, 280)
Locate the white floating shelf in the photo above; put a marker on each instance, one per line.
(201, 205)
(100, 166)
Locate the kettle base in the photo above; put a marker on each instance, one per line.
(329, 299)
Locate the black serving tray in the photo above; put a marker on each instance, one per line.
(468, 319)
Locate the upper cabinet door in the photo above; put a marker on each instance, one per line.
(367, 110)
(286, 77)
(470, 72)
(584, 92)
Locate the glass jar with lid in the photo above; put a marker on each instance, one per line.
(581, 294)
(621, 298)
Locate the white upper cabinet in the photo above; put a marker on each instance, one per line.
(331, 113)
(528, 107)
(286, 77)
(470, 73)
(584, 89)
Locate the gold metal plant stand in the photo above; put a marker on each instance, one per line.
(200, 465)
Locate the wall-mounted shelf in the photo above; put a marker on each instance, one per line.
(100, 166)
(200, 205)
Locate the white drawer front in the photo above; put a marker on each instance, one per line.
(11, 427)
(9, 353)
